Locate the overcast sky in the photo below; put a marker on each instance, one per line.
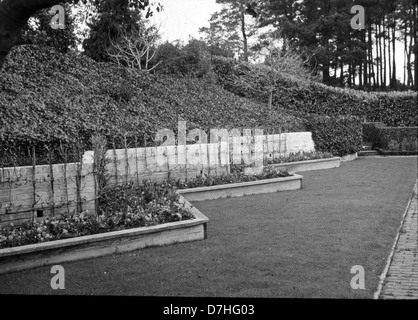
(183, 18)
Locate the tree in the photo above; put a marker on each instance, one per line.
(343, 54)
(115, 18)
(14, 15)
(38, 31)
(278, 64)
(136, 49)
(231, 27)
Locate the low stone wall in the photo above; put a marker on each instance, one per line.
(27, 194)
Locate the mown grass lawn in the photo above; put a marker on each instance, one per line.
(299, 244)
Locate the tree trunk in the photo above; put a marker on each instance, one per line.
(244, 34)
(415, 47)
(349, 74)
(385, 70)
(394, 82)
(14, 14)
(380, 54)
(371, 64)
(405, 53)
(409, 54)
(365, 71)
(390, 56)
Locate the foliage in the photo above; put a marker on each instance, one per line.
(123, 207)
(301, 156)
(371, 133)
(392, 108)
(135, 49)
(39, 32)
(391, 138)
(192, 59)
(63, 100)
(230, 29)
(342, 54)
(114, 17)
(237, 175)
(337, 135)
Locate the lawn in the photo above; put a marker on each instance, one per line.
(299, 244)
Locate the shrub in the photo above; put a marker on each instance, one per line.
(391, 108)
(338, 135)
(390, 138)
(237, 175)
(300, 156)
(122, 207)
(397, 138)
(371, 133)
(61, 101)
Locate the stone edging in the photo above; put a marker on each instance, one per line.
(349, 157)
(308, 165)
(293, 182)
(396, 153)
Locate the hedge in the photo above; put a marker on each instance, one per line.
(391, 138)
(391, 108)
(340, 136)
(60, 101)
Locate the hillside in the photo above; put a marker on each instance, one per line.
(250, 81)
(47, 97)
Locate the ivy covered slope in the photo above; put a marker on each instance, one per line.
(48, 97)
(391, 108)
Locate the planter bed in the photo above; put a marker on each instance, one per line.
(396, 153)
(349, 157)
(308, 165)
(85, 247)
(293, 182)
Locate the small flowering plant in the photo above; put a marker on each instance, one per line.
(300, 156)
(237, 175)
(122, 207)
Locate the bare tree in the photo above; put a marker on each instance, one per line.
(136, 49)
(278, 64)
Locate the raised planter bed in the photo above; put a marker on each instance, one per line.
(92, 246)
(85, 247)
(308, 165)
(293, 182)
(396, 153)
(349, 157)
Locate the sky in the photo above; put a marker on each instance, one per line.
(181, 19)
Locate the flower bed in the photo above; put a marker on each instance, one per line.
(307, 161)
(238, 184)
(301, 156)
(123, 207)
(237, 175)
(90, 246)
(292, 182)
(130, 217)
